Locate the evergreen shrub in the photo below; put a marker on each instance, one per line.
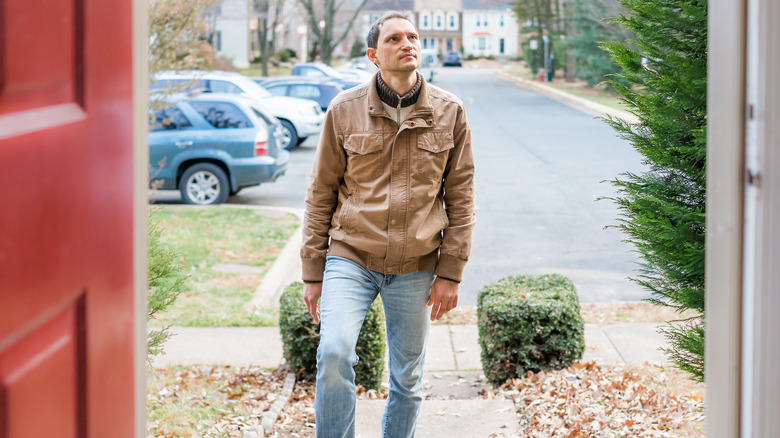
(165, 283)
(663, 209)
(301, 338)
(529, 323)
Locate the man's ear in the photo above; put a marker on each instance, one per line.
(371, 54)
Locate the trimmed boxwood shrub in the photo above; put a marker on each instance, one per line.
(529, 323)
(301, 338)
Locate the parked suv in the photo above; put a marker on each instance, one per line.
(300, 118)
(213, 145)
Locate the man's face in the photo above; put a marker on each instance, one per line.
(398, 47)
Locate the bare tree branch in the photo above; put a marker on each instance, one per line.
(349, 25)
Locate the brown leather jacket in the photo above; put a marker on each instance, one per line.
(393, 199)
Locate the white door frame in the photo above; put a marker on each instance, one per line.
(742, 348)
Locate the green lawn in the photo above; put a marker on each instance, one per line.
(257, 70)
(213, 235)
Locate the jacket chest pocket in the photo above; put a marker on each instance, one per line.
(433, 150)
(365, 158)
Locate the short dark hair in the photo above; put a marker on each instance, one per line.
(373, 34)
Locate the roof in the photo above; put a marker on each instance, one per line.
(487, 5)
(432, 5)
(388, 5)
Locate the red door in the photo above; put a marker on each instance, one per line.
(66, 218)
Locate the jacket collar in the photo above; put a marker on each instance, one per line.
(422, 108)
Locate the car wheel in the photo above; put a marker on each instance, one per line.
(204, 184)
(289, 136)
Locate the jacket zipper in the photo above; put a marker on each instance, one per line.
(390, 191)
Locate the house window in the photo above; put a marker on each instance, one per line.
(425, 43)
(481, 42)
(479, 20)
(484, 22)
(502, 21)
(438, 22)
(501, 45)
(452, 22)
(425, 22)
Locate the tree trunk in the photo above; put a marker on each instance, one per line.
(262, 36)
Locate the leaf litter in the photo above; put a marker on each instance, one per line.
(584, 400)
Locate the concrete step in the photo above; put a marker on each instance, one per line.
(445, 419)
(454, 385)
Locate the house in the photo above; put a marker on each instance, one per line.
(439, 24)
(229, 21)
(490, 28)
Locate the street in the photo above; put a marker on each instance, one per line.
(540, 170)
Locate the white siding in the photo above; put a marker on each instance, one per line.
(480, 39)
(425, 20)
(233, 27)
(452, 20)
(438, 20)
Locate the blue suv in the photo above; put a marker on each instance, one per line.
(211, 146)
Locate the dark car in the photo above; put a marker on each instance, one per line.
(321, 91)
(211, 146)
(452, 59)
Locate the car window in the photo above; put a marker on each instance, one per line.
(277, 90)
(176, 85)
(312, 72)
(305, 91)
(168, 119)
(222, 115)
(217, 86)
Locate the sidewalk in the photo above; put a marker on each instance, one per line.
(450, 347)
(453, 370)
(584, 105)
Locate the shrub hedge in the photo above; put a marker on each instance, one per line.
(301, 338)
(529, 323)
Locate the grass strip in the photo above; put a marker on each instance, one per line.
(218, 235)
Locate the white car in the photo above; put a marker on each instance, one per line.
(300, 118)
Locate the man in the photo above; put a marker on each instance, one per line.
(390, 212)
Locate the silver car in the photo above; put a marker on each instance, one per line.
(300, 118)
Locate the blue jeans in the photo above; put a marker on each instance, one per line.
(348, 290)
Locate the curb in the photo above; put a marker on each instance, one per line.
(270, 416)
(584, 105)
(285, 270)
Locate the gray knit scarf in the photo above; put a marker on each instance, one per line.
(390, 97)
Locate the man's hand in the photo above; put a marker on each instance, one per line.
(444, 297)
(311, 295)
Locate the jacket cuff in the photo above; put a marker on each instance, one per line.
(313, 269)
(450, 267)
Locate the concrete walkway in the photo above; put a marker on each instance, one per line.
(450, 347)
